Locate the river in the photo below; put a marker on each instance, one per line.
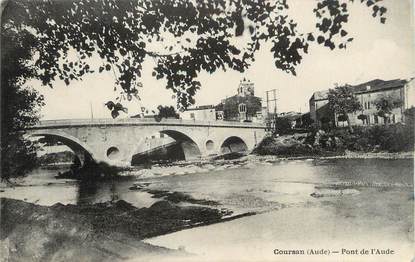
(332, 203)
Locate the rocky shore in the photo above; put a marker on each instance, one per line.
(108, 231)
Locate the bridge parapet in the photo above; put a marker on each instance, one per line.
(144, 122)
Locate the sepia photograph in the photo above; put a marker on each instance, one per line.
(207, 130)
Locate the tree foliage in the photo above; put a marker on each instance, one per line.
(167, 112)
(306, 121)
(183, 37)
(343, 102)
(362, 117)
(342, 118)
(385, 105)
(282, 125)
(19, 104)
(115, 108)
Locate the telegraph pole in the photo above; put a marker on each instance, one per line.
(274, 99)
(92, 112)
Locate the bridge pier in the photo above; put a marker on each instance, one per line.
(82, 156)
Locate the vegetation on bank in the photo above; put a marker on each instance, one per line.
(390, 138)
(292, 146)
(58, 157)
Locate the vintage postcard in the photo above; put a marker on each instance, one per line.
(207, 130)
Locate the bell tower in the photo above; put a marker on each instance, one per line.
(246, 88)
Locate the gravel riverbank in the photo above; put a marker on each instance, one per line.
(110, 231)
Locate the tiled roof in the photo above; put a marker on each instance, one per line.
(377, 84)
(370, 86)
(319, 95)
(204, 107)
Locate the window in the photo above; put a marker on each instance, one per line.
(192, 115)
(393, 119)
(376, 119)
(242, 108)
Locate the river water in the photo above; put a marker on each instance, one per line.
(332, 203)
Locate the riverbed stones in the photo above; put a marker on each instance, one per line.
(334, 192)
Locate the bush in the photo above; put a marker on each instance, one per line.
(288, 146)
(282, 125)
(392, 138)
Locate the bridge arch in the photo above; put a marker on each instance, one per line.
(190, 148)
(181, 147)
(233, 144)
(80, 149)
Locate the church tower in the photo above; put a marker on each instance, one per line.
(246, 88)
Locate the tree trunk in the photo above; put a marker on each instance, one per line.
(386, 121)
(348, 123)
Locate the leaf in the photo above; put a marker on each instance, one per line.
(234, 50)
(108, 67)
(110, 105)
(251, 29)
(310, 37)
(239, 30)
(114, 114)
(369, 2)
(101, 69)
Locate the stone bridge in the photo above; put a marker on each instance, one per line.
(115, 142)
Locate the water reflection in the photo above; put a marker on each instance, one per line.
(90, 192)
(87, 192)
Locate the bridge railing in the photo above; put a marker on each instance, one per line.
(144, 121)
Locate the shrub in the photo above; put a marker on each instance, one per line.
(393, 138)
(282, 125)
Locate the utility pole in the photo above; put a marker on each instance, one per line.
(92, 112)
(274, 99)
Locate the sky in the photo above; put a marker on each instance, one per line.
(383, 51)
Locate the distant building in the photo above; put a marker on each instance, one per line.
(200, 113)
(294, 118)
(367, 93)
(246, 88)
(320, 112)
(244, 106)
